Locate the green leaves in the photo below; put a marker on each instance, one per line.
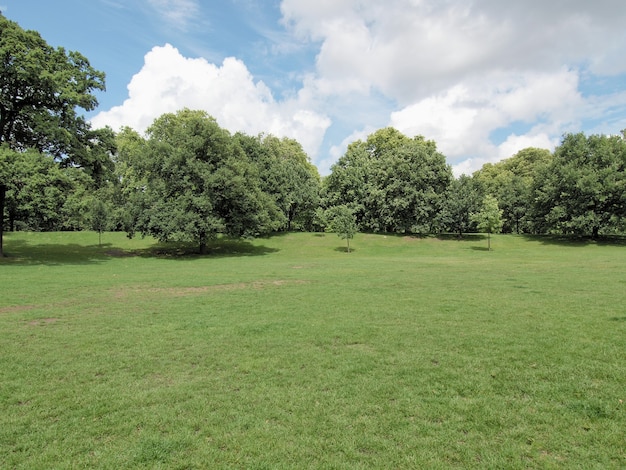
(489, 219)
(582, 191)
(391, 182)
(40, 87)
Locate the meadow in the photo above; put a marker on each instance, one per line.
(287, 352)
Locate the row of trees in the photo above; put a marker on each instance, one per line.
(189, 179)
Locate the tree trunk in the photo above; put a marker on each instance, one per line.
(488, 241)
(3, 191)
(348, 238)
(595, 232)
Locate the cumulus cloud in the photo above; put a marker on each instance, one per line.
(462, 118)
(458, 71)
(482, 78)
(169, 82)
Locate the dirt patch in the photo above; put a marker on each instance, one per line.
(16, 308)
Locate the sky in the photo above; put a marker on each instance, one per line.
(482, 78)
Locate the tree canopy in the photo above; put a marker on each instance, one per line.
(192, 182)
(40, 89)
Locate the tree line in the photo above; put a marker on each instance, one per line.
(188, 179)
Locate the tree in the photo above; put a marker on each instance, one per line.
(287, 175)
(99, 218)
(40, 89)
(192, 181)
(582, 190)
(510, 181)
(393, 183)
(489, 219)
(41, 195)
(342, 222)
(409, 183)
(462, 200)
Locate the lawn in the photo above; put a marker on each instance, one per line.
(288, 352)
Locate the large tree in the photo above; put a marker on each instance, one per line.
(463, 199)
(393, 183)
(583, 189)
(287, 175)
(510, 181)
(40, 89)
(192, 181)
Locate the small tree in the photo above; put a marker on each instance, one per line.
(489, 219)
(343, 222)
(99, 218)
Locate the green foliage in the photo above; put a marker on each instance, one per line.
(40, 89)
(287, 176)
(391, 182)
(341, 221)
(41, 195)
(99, 218)
(192, 182)
(582, 190)
(511, 181)
(462, 200)
(489, 218)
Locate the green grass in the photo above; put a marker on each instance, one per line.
(287, 352)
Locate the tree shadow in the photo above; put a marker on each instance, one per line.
(576, 240)
(466, 237)
(21, 253)
(344, 249)
(481, 248)
(222, 248)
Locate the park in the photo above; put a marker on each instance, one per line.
(288, 352)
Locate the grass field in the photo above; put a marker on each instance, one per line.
(287, 352)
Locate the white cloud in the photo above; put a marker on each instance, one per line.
(462, 118)
(169, 82)
(459, 71)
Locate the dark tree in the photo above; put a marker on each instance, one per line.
(40, 89)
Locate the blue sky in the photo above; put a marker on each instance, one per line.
(483, 78)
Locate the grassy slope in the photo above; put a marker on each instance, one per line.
(287, 352)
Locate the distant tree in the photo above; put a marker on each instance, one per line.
(463, 199)
(489, 218)
(342, 222)
(510, 181)
(583, 189)
(40, 195)
(287, 175)
(349, 181)
(99, 218)
(409, 183)
(40, 89)
(393, 183)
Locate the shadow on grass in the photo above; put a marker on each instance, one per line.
(576, 240)
(20, 253)
(466, 237)
(344, 249)
(222, 248)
